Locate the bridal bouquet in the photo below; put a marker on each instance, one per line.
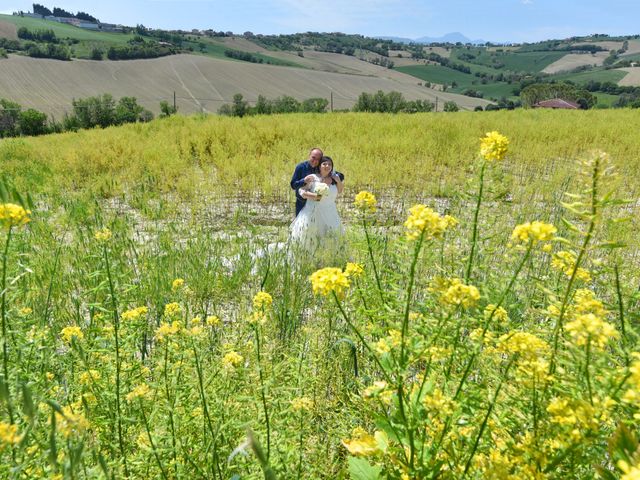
(320, 189)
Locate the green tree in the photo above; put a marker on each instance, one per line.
(95, 111)
(239, 106)
(451, 106)
(97, 54)
(9, 115)
(127, 110)
(32, 122)
(167, 110)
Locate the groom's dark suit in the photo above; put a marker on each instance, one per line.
(297, 181)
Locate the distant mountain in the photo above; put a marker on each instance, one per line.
(448, 38)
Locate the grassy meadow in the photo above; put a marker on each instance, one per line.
(479, 322)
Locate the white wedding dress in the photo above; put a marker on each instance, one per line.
(318, 225)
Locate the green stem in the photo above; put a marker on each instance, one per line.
(474, 236)
(620, 304)
(488, 414)
(586, 369)
(581, 255)
(5, 337)
(170, 403)
(153, 445)
(263, 392)
(373, 262)
(116, 325)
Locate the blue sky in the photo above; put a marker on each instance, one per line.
(492, 20)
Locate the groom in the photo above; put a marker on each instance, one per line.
(303, 174)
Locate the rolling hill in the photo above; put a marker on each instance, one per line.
(201, 84)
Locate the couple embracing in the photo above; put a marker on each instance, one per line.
(317, 186)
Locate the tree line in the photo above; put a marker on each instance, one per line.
(60, 12)
(390, 102)
(97, 111)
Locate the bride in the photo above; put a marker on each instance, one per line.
(318, 222)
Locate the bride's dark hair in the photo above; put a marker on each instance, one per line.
(327, 159)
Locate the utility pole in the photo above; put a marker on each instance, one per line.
(332, 100)
(174, 100)
(436, 103)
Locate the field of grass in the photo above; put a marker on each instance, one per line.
(513, 61)
(445, 75)
(598, 76)
(157, 324)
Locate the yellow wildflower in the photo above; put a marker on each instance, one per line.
(213, 321)
(499, 314)
(327, 280)
(262, 301)
(134, 313)
(8, 435)
(493, 146)
(89, 376)
(103, 235)
(527, 345)
(354, 269)
(591, 328)
(630, 472)
(382, 346)
(632, 395)
(70, 423)
(457, 293)
(423, 220)
(25, 311)
(167, 329)
(301, 403)
(366, 202)
(565, 262)
(585, 301)
(177, 284)
(257, 318)
(362, 444)
(12, 215)
(232, 360)
(68, 333)
(139, 392)
(171, 309)
(533, 232)
(438, 403)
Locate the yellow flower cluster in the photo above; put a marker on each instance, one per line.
(12, 215)
(632, 395)
(167, 329)
(301, 403)
(362, 444)
(330, 279)
(25, 311)
(139, 392)
(262, 301)
(533, 232)
(354, 270)
(232, 360)
(172, 309)
(630, 472)
(213, 321)
(579, 415)
(67, 333)
(438, 403)
(177, 284)
(493, 146)
(591, 328)
(366, 202)
(525, 344)
(103, 235)
(499, 314)
(378, 390)
(134, 314)
(453, 292)
(8, 435)
(89, 376)
(565, 262)
(70, 423)
(423, 220)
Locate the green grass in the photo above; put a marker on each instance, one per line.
(445, 75)
(605, 98)
(514, 61)
(597, 76)
(63, 30)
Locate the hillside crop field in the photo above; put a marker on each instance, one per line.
(201, 84)
(480, 319)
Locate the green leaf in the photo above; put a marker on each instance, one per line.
(360, 469)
